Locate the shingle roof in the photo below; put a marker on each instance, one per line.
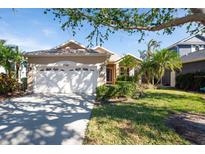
(70, 48)
(113, 56)
(62, 52)
(194, 56)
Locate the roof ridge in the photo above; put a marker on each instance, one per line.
(104, 49)
(69, 41)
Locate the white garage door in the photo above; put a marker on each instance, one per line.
(65, 79)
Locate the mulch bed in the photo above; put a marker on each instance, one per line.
(189, 125)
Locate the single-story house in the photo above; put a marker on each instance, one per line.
(192, 53)
(71, 67)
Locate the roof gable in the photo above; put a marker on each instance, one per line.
(103, 50)
(129, 54)
(194, 39)
(113, 56)
(70, 44)
(198, 39)
(70, 48)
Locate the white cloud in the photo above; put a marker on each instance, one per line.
(48, 32)
(25, 43)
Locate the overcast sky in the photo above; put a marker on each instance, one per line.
(31, 29)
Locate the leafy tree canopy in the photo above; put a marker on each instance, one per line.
(107, 21)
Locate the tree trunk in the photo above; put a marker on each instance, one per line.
(17, 72)
(152, 80)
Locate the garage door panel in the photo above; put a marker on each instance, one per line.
(70, 79)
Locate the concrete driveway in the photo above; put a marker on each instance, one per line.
(45, 119)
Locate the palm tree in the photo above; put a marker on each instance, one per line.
(148, 70)
(166, 60)
(148, 67)
(18, 58)
(9, 58)
(151, 47)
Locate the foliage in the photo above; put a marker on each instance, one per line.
(121, 89)
(148, 70)
(148, 66)
(151, 47)
(7, 84)
(129, 61)
(105, 92)
(191, 81)
(10, 58)
(126, 88)
(106, 21)
(127, 78)
(24, 84)
(166, 59)
(142, 121)
(154, 67)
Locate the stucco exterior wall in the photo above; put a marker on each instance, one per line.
(79, 59)
(102, 74)
(117, 69)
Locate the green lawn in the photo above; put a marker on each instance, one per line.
(142, 121)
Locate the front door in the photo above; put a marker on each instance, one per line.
(109, 75)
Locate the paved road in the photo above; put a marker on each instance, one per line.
(45, 119)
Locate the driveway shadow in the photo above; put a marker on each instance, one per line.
(45, 119)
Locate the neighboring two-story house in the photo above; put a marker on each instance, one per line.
(192, 53)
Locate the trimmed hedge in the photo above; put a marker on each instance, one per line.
(120, 89)
(191, 81)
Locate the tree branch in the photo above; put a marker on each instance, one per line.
(198, 17)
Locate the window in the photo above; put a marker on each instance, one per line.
(122, 70)
(62, 70)
(196, 48)
(85, 69)
(55, 69)
(92, 70)
(71, 70)
(65, 65)
(78, 69)
(48, 69)
(41, 70)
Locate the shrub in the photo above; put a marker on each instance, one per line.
(24, 84)
(191, 81)
(126, 88)
(106, 91)
(127, 78)
(121, 89)
(101, 92)
(7, 84)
